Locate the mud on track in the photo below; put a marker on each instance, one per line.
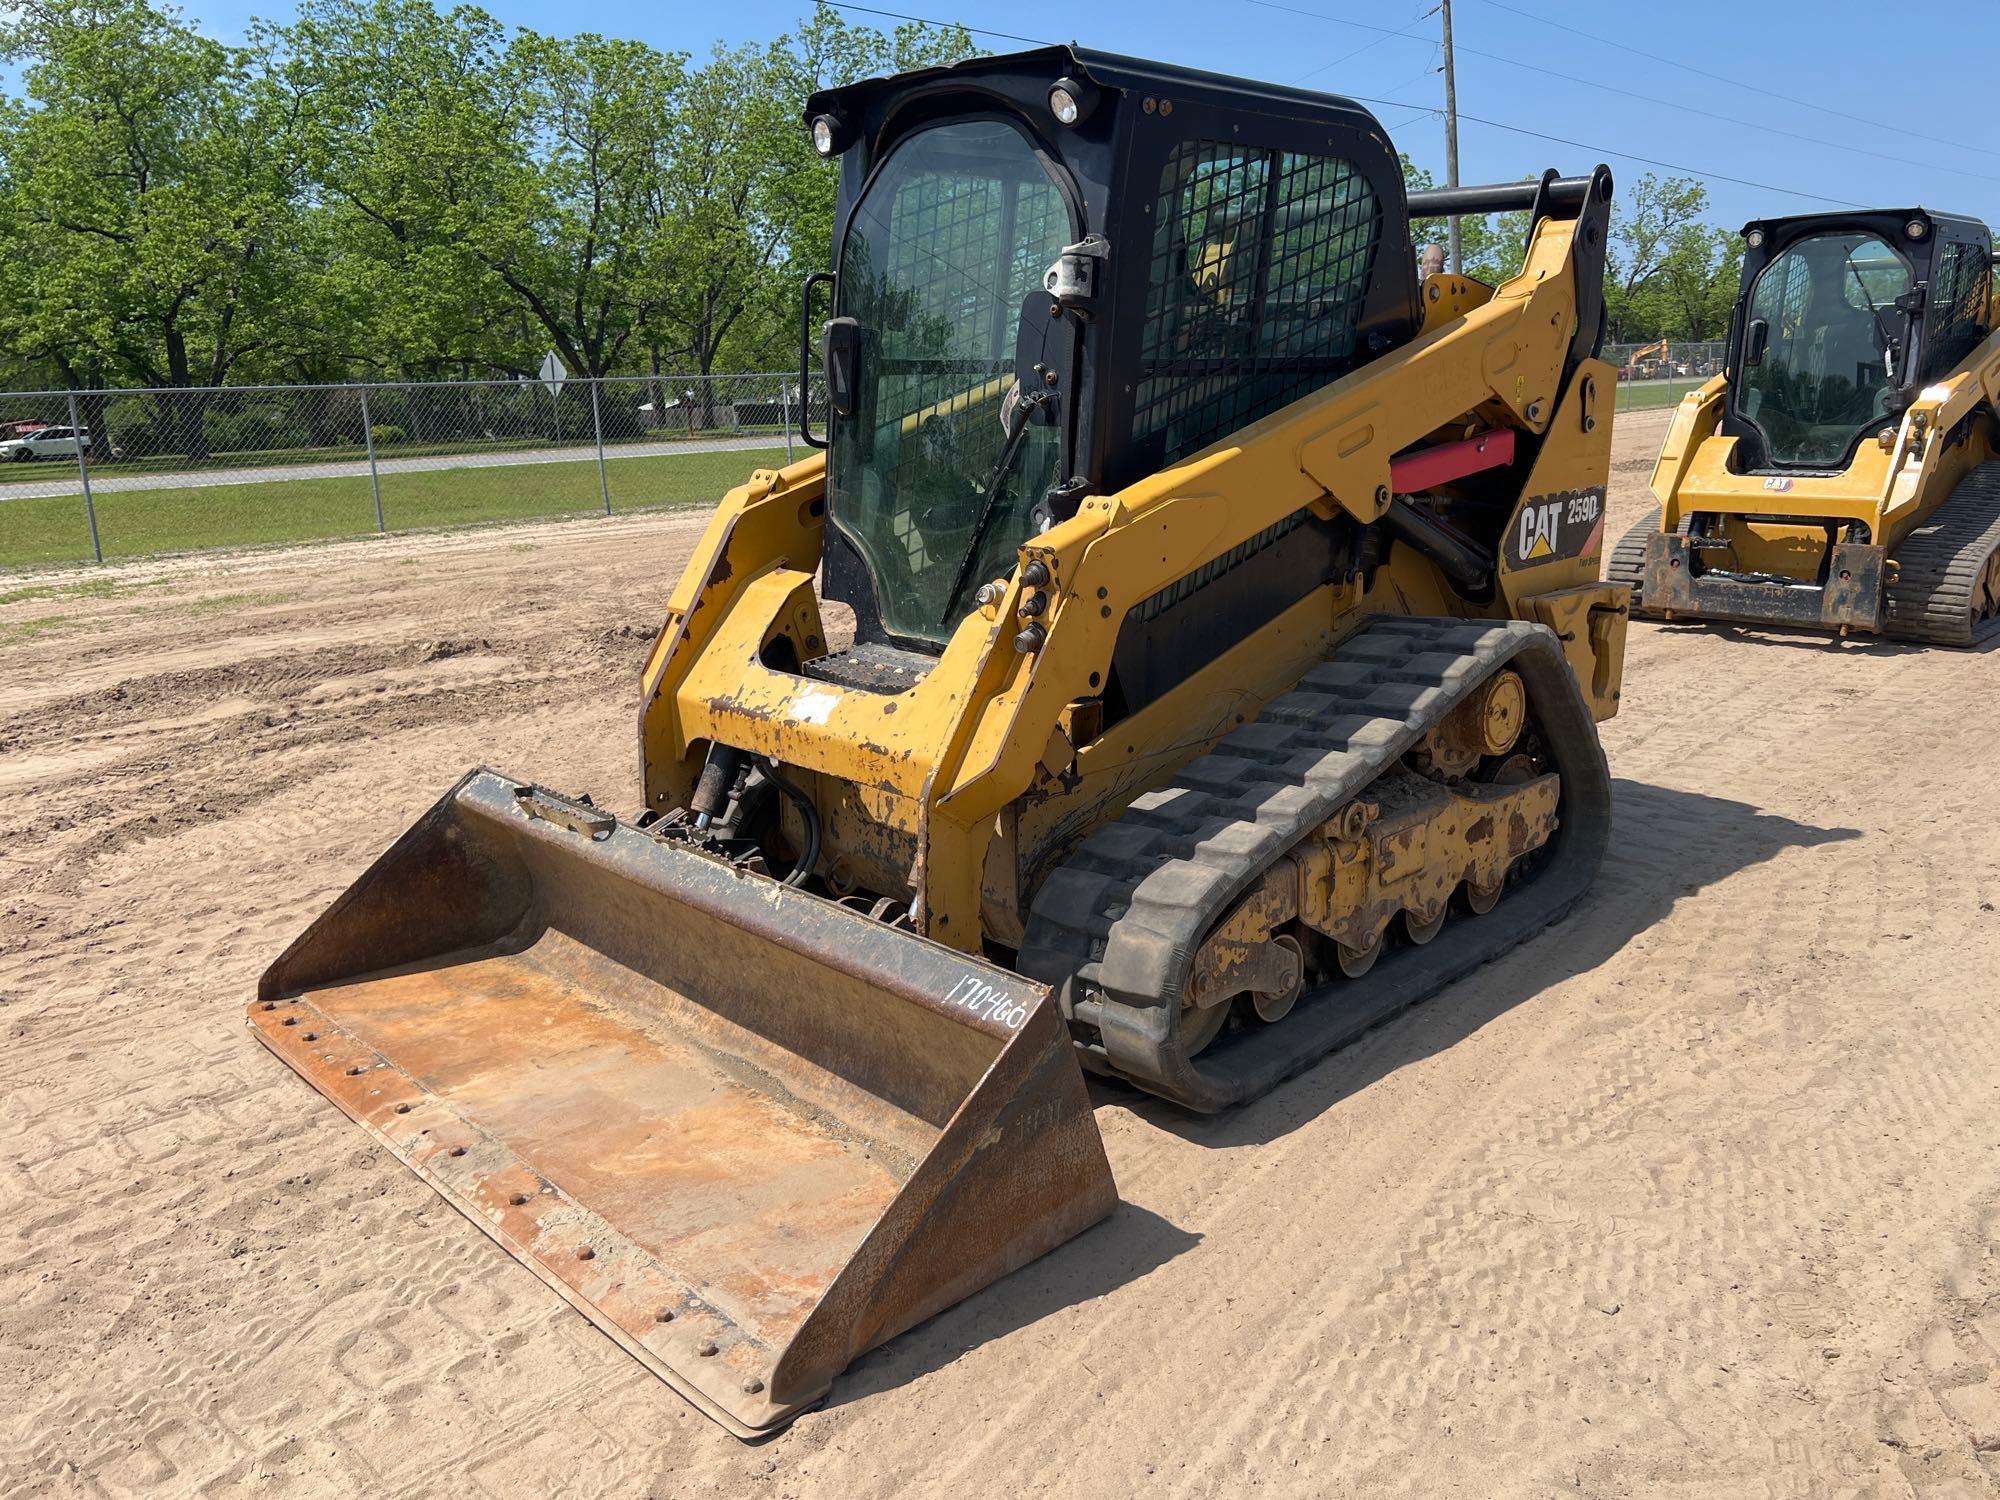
(1694, 1195)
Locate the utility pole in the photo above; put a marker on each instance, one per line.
(1451, 131)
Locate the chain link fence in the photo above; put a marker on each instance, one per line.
(1660, 373)
(107, 474)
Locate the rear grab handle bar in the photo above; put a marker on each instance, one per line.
(806, 434)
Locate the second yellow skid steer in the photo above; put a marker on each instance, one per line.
(1226, 660)
(1843, 473)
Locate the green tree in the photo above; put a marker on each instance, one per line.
(383, 186)
(412, 138)
(152, 203)
(747, 203)
(1491, 247)
(1665, 268)
(721, 212)
(585, 245)
(1696, 288)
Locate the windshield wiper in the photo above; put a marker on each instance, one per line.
(1868, 299)
(991, 501)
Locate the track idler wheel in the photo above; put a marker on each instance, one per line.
(1274, 1005)
(1420, 930)
(1480, 899)
(1488, 723)
(1199, 1025)
(1355, 962)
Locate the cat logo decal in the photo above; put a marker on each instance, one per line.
(1550, 528)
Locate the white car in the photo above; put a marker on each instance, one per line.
(50, 442)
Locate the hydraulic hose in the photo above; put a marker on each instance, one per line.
(801, 869)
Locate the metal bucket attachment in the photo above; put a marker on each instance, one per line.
(747, 1132)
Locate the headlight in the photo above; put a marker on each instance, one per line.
(825, 134)
(1071, 100)
(1754, 239)
(1916, 229)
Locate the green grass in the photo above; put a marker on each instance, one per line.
(1655, 393)
(14, 631)
(212, 603)
(139, 523)
(88, 588)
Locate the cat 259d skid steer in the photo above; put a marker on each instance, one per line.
(1843, 473)
(1227, 654)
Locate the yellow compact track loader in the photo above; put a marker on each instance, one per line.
(1226, 653)
(1843, 472)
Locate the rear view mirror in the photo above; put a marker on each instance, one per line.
(1754, 342)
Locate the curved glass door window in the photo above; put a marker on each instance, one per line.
(1828, 309)
(942, 250)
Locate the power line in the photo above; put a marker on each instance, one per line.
(1408, 31)
(1694, 109)
(1666, 166)
(1430, 68)
(1349, 56)
(1612, 88)
(896, 15)
(1416, 113)
(1760, 87)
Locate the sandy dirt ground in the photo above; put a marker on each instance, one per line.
(1693, 1195)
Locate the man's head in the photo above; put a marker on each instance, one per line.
(1431, 261)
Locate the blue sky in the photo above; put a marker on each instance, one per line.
(1867, 63)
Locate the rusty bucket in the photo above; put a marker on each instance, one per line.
(747, 1132)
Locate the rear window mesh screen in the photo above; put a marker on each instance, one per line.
(1260, 269)
(941, 225)
(1958, 308)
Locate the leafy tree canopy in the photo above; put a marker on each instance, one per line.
(387, 188)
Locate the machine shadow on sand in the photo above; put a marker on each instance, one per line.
(1811, 640)
(1133, 1243)
(1695, 841)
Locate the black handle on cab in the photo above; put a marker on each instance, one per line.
(805, 357)
(1754, 342)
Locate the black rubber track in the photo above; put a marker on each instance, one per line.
(1115, 928)
(1627, 563)
(1939, 564)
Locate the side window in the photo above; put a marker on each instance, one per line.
(1956, 317)
(1261, 263)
